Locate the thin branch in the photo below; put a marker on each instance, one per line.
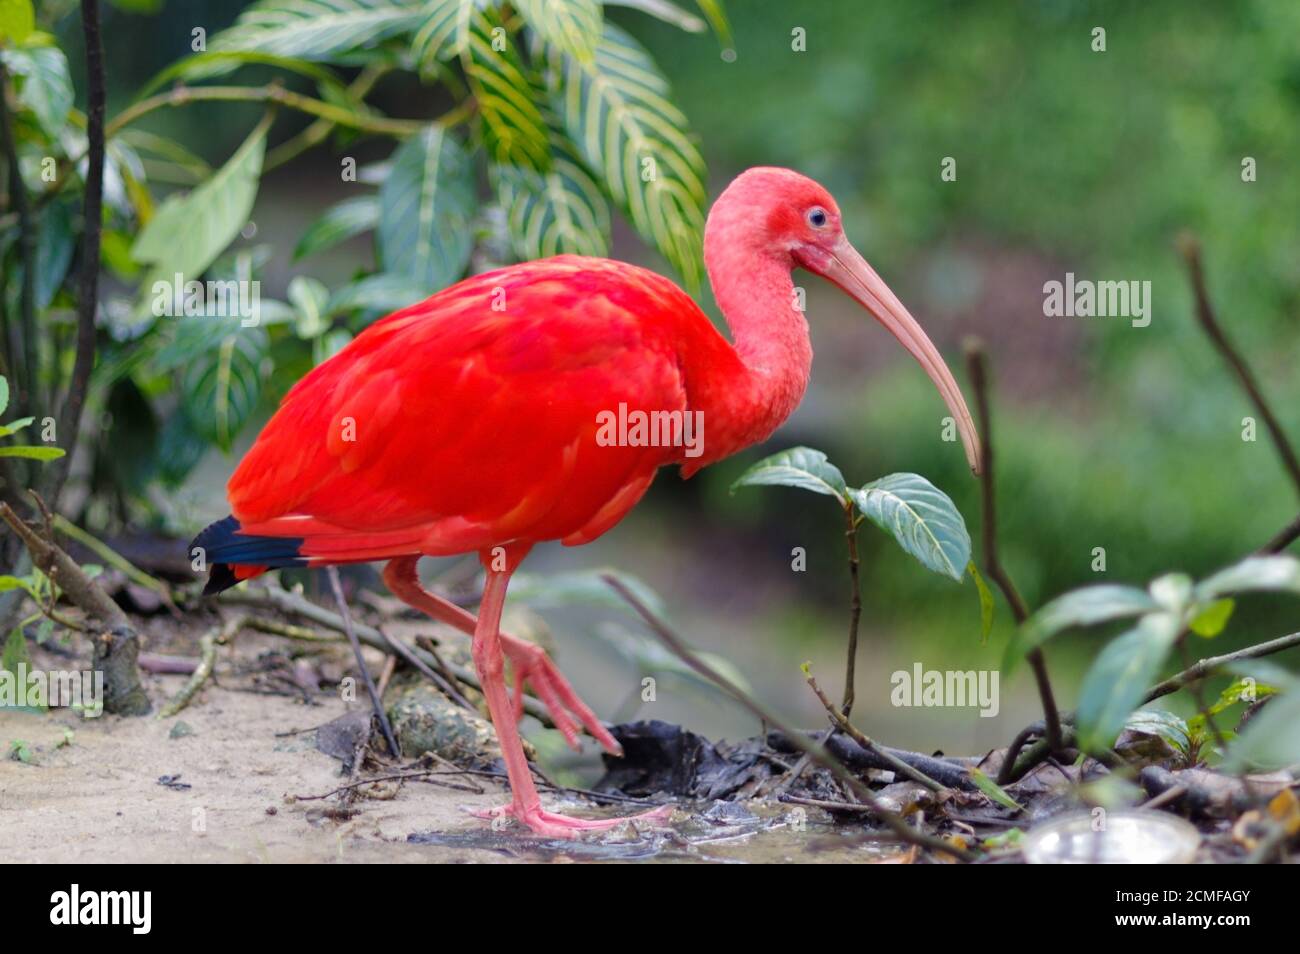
(333, 573)
(893, 761)
(976, 368)
(271, 93)
(817, 753)
(855, 610)
(1206, 667)
(69, 421)
(1283, 538)
(1191, 252)
(208, 643)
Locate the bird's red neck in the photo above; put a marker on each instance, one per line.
(748, 397)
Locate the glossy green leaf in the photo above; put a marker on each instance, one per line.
(4, 393)
(1120, 676)
(188, 232)
(17, 20)
(383, 293)
(993, 790)
(1210, 621)
(1083, 607)
(921, 518)
(318, 30)
(559, 212)
(45, 87)
(1271, 740)
(1256, 573)
(427, 205)
(571, 26)
(666, 11)
(800, 467)
(513, 129)
(1162, 724)
(343, 221)
(32, 453)
(986, 602)
(445, 31)
(617, 110)
(13, 427)
(221, 386)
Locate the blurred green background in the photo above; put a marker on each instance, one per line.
(1110, 436)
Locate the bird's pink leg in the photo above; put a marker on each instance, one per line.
(525, 805)
(530, 663)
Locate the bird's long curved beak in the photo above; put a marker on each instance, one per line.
(850, 271)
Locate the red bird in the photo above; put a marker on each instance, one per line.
(479, 421)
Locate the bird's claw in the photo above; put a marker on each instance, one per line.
(554, 825)
(533, 667)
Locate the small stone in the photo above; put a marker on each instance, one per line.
(180, 730)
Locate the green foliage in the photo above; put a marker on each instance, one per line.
(22, 450)
(425, 207)
(921, 518)
(1170, 607)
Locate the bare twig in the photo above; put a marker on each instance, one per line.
(1205, 667)
(898, 765)
(1283, 538)
(333, 573)
(1191, 252)
(675, 644)
(116, 560)
(976, 367)
(208, 643)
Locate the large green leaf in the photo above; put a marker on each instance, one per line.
(317, 29)
(1120, 677)
(561, 211)
(571, 26)
(444, 32)
(188, 232)
(921, 517)
(341, 222)
(800, 467)
(376, 293)
(214, 63)
(220, 387)
(1271, 740)
(17, 20)
(616, 109)
(32, 453)
(4, 393)
(56, 241)
(46, 88)
(426, 208)
(1256, 573)
(666, 11)
(1082, 607)
(513, 128)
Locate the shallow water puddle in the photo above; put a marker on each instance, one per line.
(723, 832)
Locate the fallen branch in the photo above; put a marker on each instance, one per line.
(116, 560)
(208, 643)
(346, 616)
(892, 820)
(892, 762)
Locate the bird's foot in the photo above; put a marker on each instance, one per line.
(554, 825)
(532, 666)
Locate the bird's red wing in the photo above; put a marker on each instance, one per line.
(475, 422)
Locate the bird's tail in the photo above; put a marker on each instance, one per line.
(232, 556)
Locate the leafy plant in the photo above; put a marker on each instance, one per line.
(563, 115)
(6, 430)
(921, 518)
(1166, 611)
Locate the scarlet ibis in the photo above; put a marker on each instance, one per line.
(476, 421)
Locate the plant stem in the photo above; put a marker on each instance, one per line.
(23, 332)
(1191, 252)
(894, 762)
(180, 95)
(69, 421)
(855, 610)
(1205, 667)
(976, 366)
(1283, 538)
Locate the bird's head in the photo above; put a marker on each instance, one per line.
(778, 213)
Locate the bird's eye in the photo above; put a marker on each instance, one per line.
(817, 217)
